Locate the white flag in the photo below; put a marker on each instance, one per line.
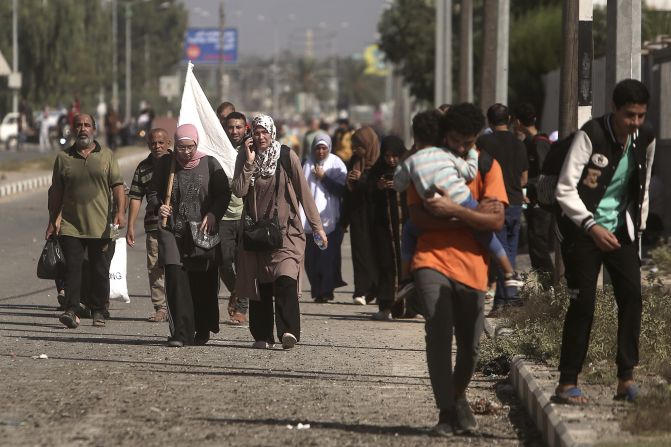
(196, 110)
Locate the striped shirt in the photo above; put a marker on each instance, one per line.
(140, 187)
(434, 166)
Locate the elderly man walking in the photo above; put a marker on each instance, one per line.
(83, 177)
(159, 145)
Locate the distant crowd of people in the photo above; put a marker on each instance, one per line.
(423, 223)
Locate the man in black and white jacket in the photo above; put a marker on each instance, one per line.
(603, 194)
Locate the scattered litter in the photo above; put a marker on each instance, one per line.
(299, 426)
(40, 357)
(485, 406)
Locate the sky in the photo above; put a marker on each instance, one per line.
(343, 26)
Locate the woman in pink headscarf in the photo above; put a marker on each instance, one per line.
(198, 200)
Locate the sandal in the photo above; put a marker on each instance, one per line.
(159, 316)
(232, 302)
(98, 319)
(570, 396)
(69, 319)
(630, 395)
(238, 319)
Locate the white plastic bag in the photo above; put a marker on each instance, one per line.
(196, 110)
(118, 284)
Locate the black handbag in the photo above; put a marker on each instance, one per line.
(264, 234)
(203, 239)
(51, 264)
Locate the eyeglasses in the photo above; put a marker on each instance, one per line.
(189, 148)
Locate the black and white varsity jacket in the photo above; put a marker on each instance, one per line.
(588, 170)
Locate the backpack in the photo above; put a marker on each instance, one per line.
(547, 181)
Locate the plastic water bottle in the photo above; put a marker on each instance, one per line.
(319, 241)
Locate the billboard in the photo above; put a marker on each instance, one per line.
(202, 46)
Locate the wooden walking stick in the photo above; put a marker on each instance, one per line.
(168, 193)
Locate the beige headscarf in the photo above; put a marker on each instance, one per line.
(367, 139)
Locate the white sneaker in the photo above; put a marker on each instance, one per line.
(360, 300)
(514, 281)
(288, 340)
(260, 344)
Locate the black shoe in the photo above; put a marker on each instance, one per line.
(465, 421)
(445, 426)
(201, 339)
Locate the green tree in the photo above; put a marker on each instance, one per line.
(407, 37)
(356, 87)
(65, 48)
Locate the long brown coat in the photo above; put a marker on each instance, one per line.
(254, 268)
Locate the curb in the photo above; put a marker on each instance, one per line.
(548, 421)
(44, 181)
(30, 184)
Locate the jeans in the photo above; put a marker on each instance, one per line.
(450, 308)
(509, 236)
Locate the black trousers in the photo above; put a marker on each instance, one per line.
(192, 302)
(99, 253)
(583, 261)
(540, 243)
(228, 230)
(385, 258)
(363, 258)
(287, 314)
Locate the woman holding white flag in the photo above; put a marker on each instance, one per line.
(190, 192)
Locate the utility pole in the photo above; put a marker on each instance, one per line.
(15, 52)
(115, 59)
(494, 86)
(275, 71)
(466, 51)
(222, 83)
(129, 14)
(623, 53)
(443, 65)
(575, 87)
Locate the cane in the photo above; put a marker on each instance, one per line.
(168, 193)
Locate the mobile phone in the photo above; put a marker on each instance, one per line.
(388, 176)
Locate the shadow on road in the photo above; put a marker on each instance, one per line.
(392, 430)
(23, 295)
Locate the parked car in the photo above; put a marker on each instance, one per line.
(9, 132)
